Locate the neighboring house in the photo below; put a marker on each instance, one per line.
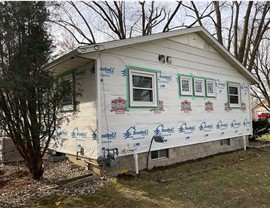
(259, 111)
(183, 85)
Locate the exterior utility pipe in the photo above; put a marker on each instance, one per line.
(136, 162)
(245, 142)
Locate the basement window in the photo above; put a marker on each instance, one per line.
(225, 142)
(158, 154)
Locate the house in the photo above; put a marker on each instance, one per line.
(182, 85)
(259, 111)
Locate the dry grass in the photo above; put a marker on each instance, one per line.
(238, 179)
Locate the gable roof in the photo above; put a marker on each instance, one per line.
(73, 58)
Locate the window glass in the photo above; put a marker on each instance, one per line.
(185, 85)
(142, 95)
(199, 87)
(66, 83)
(140, 81)
(233, 90)
(67, 89)
(225, 142)
(164, 153)
(154, 154)
(210, 88)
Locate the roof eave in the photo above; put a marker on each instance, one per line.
(62, 59)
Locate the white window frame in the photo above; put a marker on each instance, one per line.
(202, 93)
(152, 75)
(233, 105)
(209, 94)
(159, 154)
(190, 92)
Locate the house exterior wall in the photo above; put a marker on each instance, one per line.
(78, 130)
(132, 128)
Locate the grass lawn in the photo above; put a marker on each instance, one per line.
(238, 179)
(265, 137)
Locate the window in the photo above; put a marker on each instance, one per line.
(67, 87)
(199, 89)
(159, 154)
(210, 88)
(234, 95)
(225, 142)
(185, 85)
(143, 88)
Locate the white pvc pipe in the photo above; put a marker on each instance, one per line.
(136, 162)
(98, 105)
(245, 142)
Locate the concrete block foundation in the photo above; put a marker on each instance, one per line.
(8, 151)
(178, 154)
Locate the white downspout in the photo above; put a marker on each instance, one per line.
(136, 162)
(245, 142)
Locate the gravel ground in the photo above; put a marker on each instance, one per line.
(17, 187)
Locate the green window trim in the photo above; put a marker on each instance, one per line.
(239, 95)
(203, 87)
(148, 72)
(180, 87)
(71, 72)
(193, 94)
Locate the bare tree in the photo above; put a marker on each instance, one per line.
(262, 66)
(240, 26)
(116, 20)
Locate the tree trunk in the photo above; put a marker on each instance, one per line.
(35, 166)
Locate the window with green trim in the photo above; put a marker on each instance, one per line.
(142, 88)
(234, 99)
(67, 88)
(210, 88)
(185, 85)
(199, 89)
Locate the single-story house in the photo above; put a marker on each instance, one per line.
(182, 85)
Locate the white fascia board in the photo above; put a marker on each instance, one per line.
(135, 40)
(62, 59)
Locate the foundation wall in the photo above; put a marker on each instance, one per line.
(178, 154)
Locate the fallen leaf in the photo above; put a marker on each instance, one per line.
(58, 203)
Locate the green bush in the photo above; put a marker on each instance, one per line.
(260, 127)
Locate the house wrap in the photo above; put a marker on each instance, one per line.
(182, 85)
